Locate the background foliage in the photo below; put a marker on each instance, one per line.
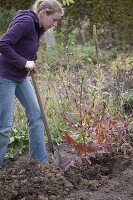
(112, 17)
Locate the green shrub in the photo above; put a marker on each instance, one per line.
(18, 140)
(128, 102)
(5, 18)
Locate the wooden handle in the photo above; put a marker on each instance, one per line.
(42, 112)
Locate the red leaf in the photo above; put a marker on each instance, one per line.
(126, 124)
(78, 146)
(70, 140)
(114, 121)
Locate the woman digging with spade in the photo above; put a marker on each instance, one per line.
(18, 48)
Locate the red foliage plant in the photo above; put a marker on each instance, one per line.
(99, 134)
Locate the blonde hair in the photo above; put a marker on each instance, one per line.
(50, 6)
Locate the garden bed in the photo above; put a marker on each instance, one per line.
(109, 176)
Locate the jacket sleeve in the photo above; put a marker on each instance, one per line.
(18, 29)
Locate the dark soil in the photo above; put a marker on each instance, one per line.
(108, 177)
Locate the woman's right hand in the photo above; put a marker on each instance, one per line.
(30, 65)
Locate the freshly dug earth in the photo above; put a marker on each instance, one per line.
(108, 177)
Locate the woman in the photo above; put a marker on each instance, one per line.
(18, 48)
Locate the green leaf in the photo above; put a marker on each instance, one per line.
(11, 140)
(67, 2)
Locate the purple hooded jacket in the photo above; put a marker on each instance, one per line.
(19, 44)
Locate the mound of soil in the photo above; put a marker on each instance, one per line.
(107, 177)
(29, 179)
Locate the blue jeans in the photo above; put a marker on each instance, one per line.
(26, 95)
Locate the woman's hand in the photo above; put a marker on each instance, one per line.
(30, 65)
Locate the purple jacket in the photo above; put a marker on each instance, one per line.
(19, 44)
